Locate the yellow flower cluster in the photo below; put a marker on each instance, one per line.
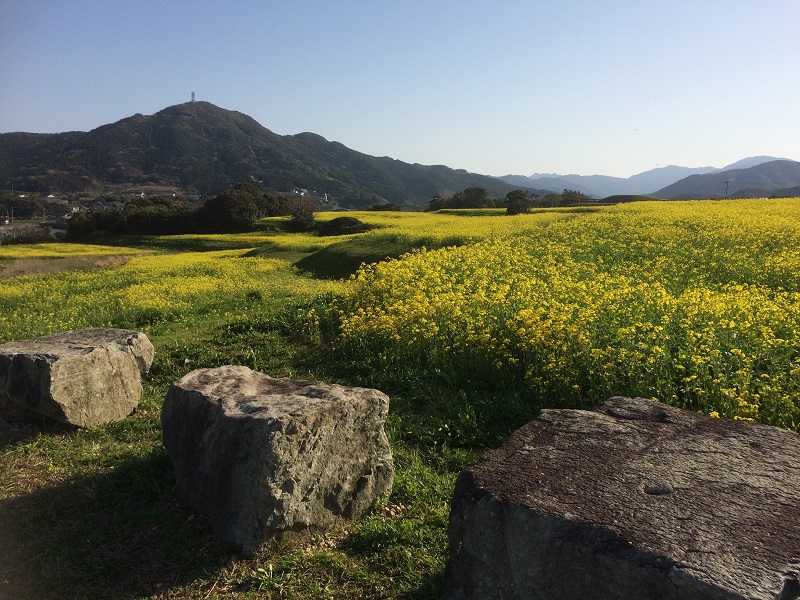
(55, 250)
(453, 228)
(693, 303)
(146, 290)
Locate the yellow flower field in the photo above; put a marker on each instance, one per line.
(456, 227)
(51, 250)
(147, 290)
(693, 303)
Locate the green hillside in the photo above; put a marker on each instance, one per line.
(201, 148)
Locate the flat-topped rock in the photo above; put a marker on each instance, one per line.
(84, 377)
(635, 500)
(260, 456)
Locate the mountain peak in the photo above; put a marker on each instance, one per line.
(763, 179)
(201, 148)
(750, 161)
(601, 186)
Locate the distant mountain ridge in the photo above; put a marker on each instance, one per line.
(775, 177)
(602, 186)
(201, 148)
(750, 161)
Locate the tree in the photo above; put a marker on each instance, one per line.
(550, 199)
(573, 196)
(519, 202)
(301, 213)
(471, 197)
(389, 206)
(80, 225)
(437, 203)
(152, 216)
(232, 211)
(272, 205)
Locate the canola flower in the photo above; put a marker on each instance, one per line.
(60, 250)
(146, 291)
(692, 303)
(454, 227)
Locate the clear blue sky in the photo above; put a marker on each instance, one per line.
(495, 87)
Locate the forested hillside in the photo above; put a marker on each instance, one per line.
(203, 149)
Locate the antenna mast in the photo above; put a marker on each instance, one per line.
(192, 96)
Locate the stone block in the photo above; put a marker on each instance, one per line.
(260, 456)
(635, 500)
(83, 378)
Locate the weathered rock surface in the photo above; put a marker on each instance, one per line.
(84, 377)
(635, 500)
(260, 456)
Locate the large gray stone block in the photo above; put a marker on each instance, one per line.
(84, 377)
(635, 500)
(260, 456)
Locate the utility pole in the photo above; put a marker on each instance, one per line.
(726, 188)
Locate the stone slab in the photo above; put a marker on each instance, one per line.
(634, 500)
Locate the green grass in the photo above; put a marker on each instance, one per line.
(93, 513)
(342, 259)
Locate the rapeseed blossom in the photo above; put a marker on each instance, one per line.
(145, 291)
(693, 303)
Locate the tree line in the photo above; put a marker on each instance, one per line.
(515, 202)
(233, 211)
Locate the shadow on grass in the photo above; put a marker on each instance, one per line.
(112, 535)
(121, 534)
(12, 434)
(342, 259)
(170, 243)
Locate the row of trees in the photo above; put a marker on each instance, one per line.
(515, 202)
(237, 209)
(233, 211)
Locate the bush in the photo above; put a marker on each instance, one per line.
(343, 226)
(518, 202)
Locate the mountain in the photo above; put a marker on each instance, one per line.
(657, 178)
(748, 162)
(602, 186)
(764, 179)
(201, 148)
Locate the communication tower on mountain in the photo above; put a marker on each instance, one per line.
(192, 96)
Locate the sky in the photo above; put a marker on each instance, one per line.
(494, 87)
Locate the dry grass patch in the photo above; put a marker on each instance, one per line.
(48, 266)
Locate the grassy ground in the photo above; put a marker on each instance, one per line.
(92, 513)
